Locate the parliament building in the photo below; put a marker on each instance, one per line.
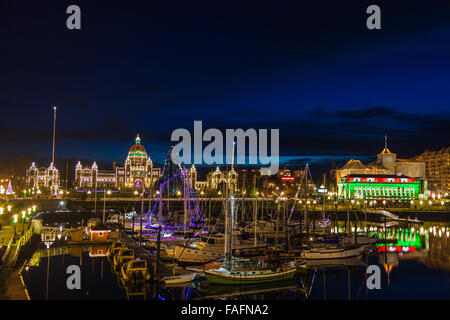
(137, 172)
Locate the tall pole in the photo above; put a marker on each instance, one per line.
(142, 214)
(54, 126)
(185, 201)
(53, 147)
(95, 197)
(104, 205)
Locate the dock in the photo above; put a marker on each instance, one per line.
(141, 252)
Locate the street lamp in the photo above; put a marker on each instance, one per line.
(9, 208)
(14, 225)
(104, 203)
(23, 221)
(1, 211)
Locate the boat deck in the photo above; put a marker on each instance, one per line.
(141, 252)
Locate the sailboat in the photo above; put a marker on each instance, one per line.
(231, 276)
(334, 252)
(235, 271)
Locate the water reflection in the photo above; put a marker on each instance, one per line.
(416, 267)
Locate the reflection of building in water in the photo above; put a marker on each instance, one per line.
(439, 253)
(388, 260)
(98, 251)
(432, 248)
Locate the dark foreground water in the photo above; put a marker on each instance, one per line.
(418, 267)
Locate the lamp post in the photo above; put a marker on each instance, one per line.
(104, 203)
(23, 221)
(14, 225)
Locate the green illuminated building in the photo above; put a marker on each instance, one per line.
(381, 187)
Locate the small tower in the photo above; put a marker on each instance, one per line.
(94, 174)
(78, 171)
(387, 158)
(193, 176)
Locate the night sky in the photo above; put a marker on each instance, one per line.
(311, 69)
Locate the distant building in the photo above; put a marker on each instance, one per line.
(40, 178)
(213, 180)
(437, 169)
(386, 164)
(217, 177)
(369, 186)
(136, 173)
(387, 177)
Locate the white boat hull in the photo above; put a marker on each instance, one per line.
(317, 254)
(359, 240)
(192, 255)
(179, 279)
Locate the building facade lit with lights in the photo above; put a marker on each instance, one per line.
(386, 178)
(437, 168)
(387, 163)
(40, 178)
(370, 187)
(137, 172)
(217, 177)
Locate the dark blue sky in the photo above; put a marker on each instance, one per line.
(311, 69)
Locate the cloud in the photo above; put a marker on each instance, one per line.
(371, 112)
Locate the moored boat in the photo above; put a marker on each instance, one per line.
(114, 248)
(230, 276)
(334, 253)
(135, 270)
(183, 278)
(123, 256)
(359, 240)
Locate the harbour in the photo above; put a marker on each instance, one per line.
(216, 160)
(421, 251)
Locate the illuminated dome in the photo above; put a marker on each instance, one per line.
(137, 150)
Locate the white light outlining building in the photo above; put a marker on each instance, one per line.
(136, 173)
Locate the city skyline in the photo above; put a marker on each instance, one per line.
(332, 87)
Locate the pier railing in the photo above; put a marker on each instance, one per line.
(5, 255)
